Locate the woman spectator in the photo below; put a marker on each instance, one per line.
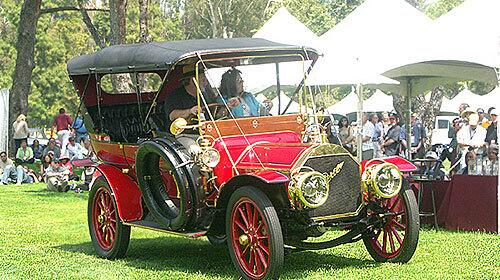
(37, 149)
(21, 132)
(47, 159)
(241, 103)
(64, 160)
(346, 134)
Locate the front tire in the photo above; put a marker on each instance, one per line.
(109, 235)
(255, 239)
(397, 238)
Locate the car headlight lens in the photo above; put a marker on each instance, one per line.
(312, 188)
(210, 157)
(384, 180)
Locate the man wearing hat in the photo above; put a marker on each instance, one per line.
(483, 121)
(183, 103)
(392, 140)
(471, 137)
(491, 132)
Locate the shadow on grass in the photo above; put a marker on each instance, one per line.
(46, 193)
(196, 256)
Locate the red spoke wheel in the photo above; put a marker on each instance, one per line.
(109, 236)
(396, 240)
(255, 239)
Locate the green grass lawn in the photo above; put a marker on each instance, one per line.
(45, 235)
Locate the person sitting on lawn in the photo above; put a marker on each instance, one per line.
(87, 145)
(51, 146)
(24, 154)
(75, 150)
(87, 176)
(37, 149)
(57, 177)
(46, 160)
(7, 168)
(65, 162)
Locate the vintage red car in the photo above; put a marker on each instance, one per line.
(258, 183)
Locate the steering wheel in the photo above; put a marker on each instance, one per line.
(218, 110)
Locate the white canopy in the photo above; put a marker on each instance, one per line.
(490, 99)
(293, 108)
(375, 37)
(284, 28)
(465, 96)
(379, 102)
(345, 106)
(475, 25)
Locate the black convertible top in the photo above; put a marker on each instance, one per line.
(161, 55)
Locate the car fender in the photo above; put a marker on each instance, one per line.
(125, 191)
(403, 164)
(272, 183)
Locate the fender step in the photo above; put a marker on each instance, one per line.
(155, 226)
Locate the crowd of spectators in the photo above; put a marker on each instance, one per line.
(54, 161)
(473, 148)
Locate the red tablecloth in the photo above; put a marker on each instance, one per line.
(466, 202)
(470, 203)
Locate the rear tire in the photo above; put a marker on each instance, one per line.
(397, 240)
(255, 239)
(217, 240)
(109, 235)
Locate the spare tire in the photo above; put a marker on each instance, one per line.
(172, 213)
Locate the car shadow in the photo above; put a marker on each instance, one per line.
(44, 193)
(199, 256)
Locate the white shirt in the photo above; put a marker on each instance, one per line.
(368, 130)
(466, 135)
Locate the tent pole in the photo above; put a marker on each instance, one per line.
(498, 136)
(359, 115)
(408, 88)
(278, 87)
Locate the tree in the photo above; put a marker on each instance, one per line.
(26, 32)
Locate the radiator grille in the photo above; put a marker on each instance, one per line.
(344, 196)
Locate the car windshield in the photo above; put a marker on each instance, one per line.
(256, 90)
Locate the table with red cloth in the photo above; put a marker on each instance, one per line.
(467, 202)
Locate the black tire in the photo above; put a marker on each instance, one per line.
(118, 247)
(266, 230)
(410, 219)
(217, 240)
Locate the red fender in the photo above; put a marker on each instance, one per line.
(271, 177)
(403, 164)
(125, 191)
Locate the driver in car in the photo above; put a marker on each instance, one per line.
(182, 102)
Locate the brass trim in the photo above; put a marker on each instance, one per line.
(164, 230)
(338, 216)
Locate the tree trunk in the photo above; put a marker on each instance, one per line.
(143, 21)
(25, 61)
(117, 13)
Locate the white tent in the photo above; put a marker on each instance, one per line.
(293, 108)
(490, 99)
(379, 102)
(4, 119)
(465, 96)
(284, 28)
(475, 25)
(345, 106)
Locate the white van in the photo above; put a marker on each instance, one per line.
(440, 131)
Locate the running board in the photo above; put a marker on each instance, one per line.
(155, 226)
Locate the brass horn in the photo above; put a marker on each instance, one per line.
(179, 125)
